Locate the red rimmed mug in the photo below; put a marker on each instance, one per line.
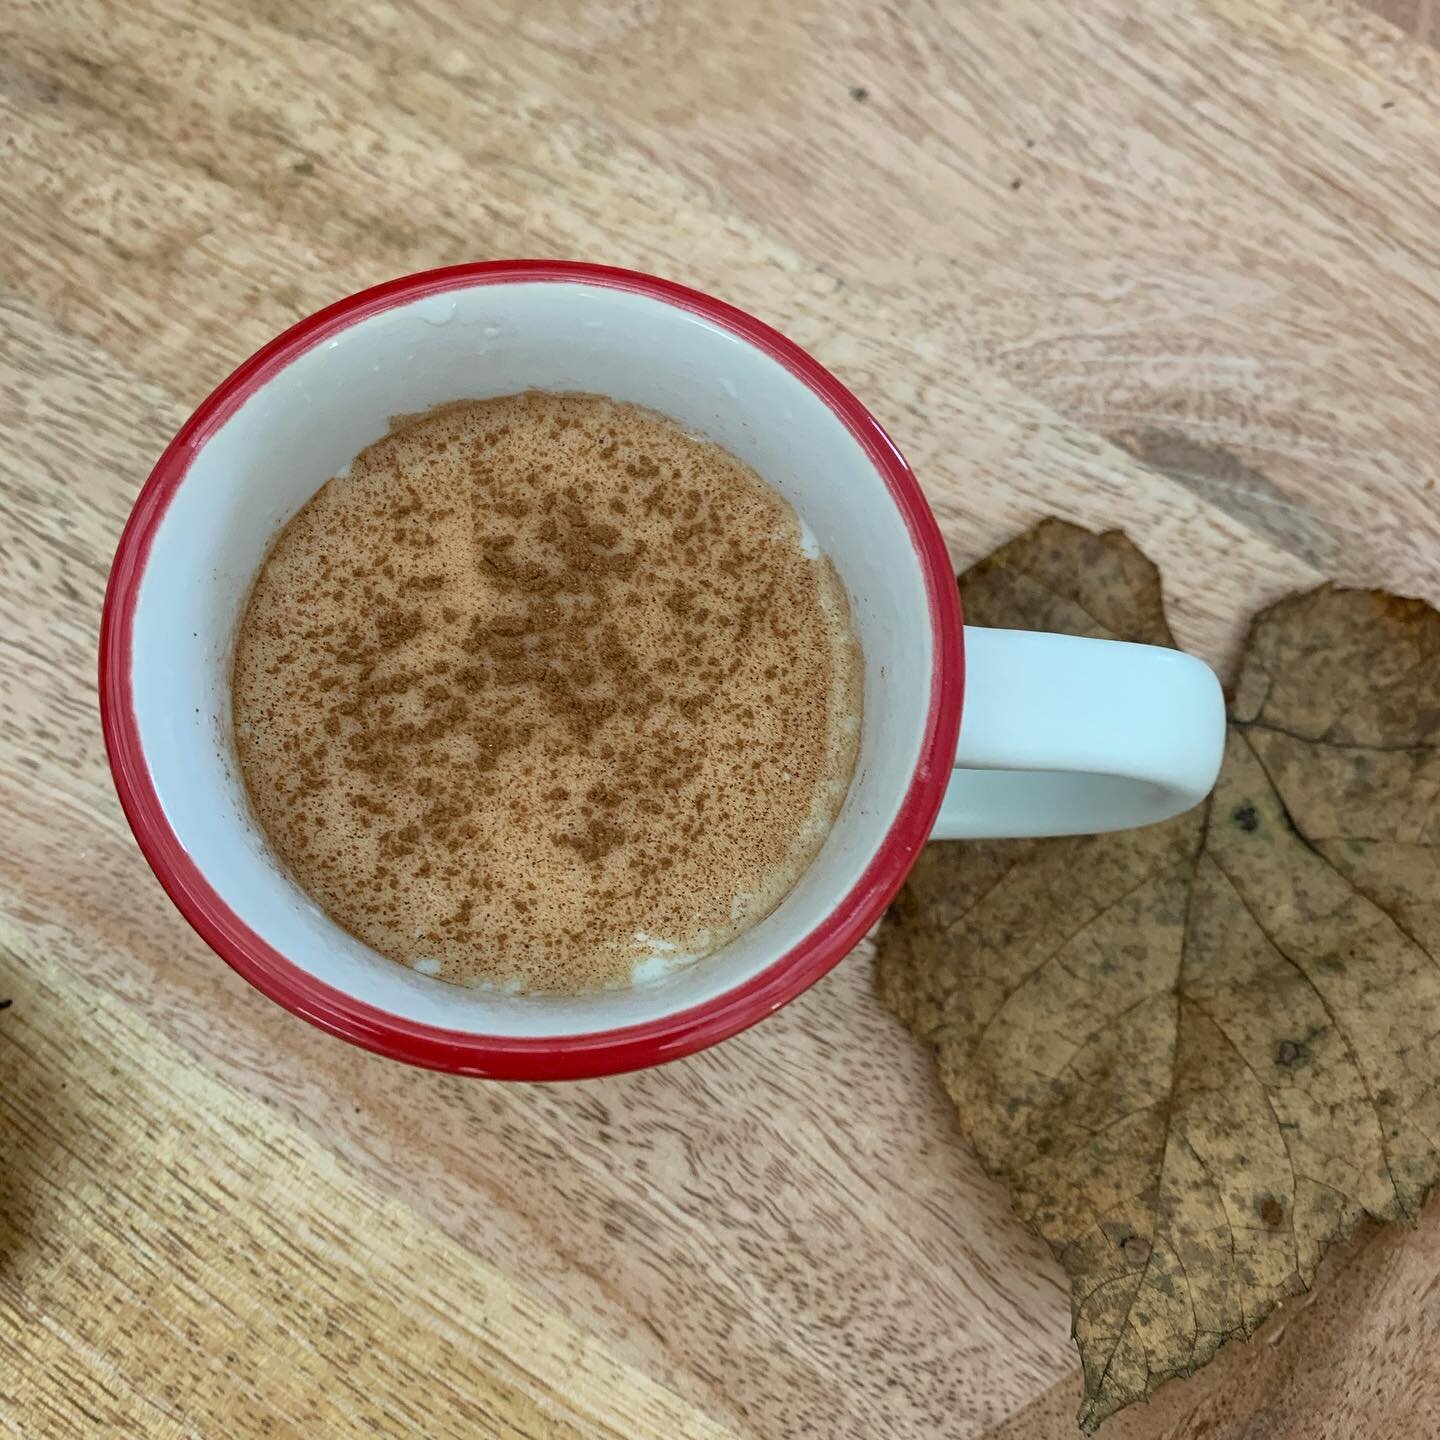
(1061, 735)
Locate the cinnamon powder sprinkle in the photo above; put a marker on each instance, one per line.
(545, 688)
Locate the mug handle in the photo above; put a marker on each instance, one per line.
(1062, 735)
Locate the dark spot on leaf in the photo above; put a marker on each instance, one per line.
(1136, 1249)
(1291, 1052)
(1246, 817)
(303, 167)
(859, 93)
(1272, 1212)
(1015, 183)
(6, 1004)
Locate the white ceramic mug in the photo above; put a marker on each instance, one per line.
(1060, 735)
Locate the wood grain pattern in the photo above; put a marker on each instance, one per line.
(222, 1286)
(1159, 266)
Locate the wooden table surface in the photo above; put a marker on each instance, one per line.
(1171, 267)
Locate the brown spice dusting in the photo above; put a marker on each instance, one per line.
(527, 714)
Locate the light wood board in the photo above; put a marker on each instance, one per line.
(1163, 266)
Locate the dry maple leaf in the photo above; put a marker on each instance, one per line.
(1199, 1054)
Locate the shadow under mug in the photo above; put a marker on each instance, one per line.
(1060, 735)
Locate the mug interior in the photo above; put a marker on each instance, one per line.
(314, 403)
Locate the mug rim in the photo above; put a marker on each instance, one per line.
(551, 1057)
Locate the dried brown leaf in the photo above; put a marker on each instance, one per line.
(1200, 1053)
